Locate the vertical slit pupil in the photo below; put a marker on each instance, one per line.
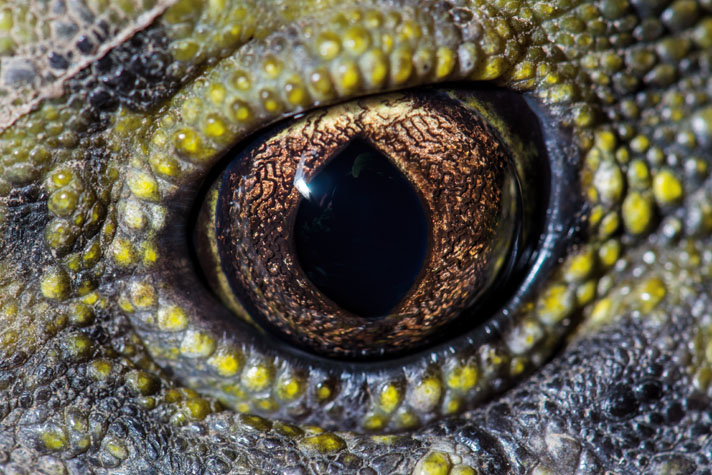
(361, 234)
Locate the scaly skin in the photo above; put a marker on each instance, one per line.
(115, 358)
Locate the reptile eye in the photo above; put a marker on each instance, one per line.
(367, 229)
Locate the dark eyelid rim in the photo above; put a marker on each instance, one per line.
(561, 229)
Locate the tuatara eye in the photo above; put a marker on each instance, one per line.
(370, 228)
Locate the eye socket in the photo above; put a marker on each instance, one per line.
(371, 228)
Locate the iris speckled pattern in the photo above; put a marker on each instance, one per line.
(116, 358)
(470, 196)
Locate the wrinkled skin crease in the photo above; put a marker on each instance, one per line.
(627, 393)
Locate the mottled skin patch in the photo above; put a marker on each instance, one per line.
(45, 43)
(101, 347)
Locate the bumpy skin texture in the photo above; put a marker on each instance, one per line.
(98, 339)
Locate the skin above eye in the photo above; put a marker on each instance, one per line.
(90, 182)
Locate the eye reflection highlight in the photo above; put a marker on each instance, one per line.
(300, 182)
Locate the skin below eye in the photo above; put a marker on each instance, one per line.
(628, 393)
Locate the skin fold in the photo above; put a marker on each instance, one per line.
(116, 358)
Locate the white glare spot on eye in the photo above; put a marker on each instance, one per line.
(299, 182)
(302, 187)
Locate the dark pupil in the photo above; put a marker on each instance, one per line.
(362, 235)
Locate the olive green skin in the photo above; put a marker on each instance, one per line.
(111, 363)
